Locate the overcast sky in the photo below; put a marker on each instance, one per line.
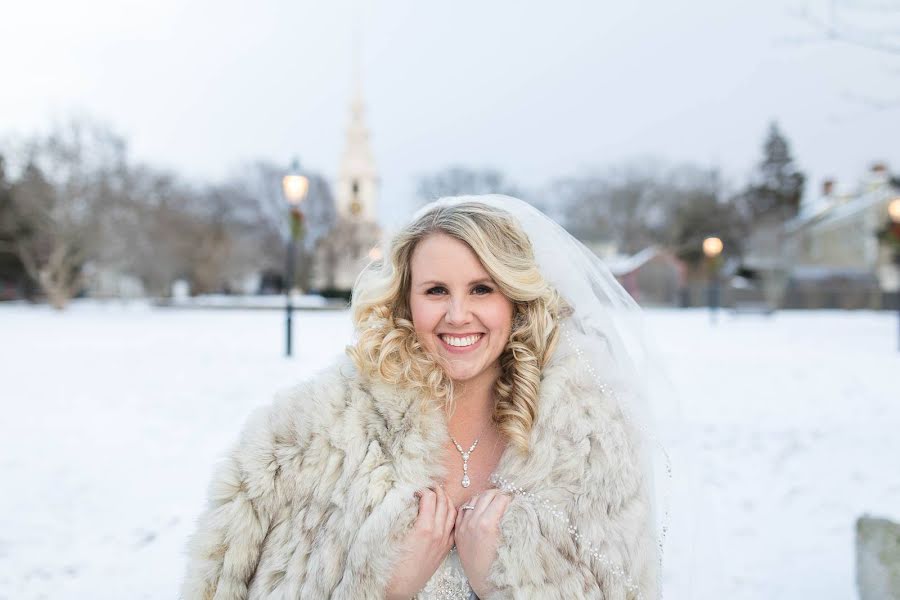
(538, 90)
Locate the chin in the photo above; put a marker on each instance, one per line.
(461, 370)
(465, 374)
(461, 377)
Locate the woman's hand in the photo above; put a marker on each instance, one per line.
(426, 546)
(478, 535)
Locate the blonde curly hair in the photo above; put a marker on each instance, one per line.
(387, 346)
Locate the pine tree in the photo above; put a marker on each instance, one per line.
(776, 188)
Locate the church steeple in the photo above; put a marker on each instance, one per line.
(347, 248)
(357, 184)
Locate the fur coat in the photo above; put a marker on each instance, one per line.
(317, 495)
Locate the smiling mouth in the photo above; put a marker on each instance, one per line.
(461, 342)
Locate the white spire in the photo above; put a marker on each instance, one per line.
(357, 176)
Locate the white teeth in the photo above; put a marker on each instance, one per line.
(466, 341)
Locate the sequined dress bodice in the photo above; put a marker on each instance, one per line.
(449, 582)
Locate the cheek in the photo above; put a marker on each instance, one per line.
(501, 317)
(423, 315)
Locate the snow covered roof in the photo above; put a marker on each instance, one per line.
(828, 212)
(623, 264)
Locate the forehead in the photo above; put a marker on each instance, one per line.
(441, 254)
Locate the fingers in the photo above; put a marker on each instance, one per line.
(441, 509)
(467, 513)
(450, 503)
(460, 512)
(484, 500)
(489, 505)
(450, 519)
(427, 501)
(437, 515)
(497, 507)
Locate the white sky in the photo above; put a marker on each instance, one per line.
(538, 90)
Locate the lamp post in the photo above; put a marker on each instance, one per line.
(294, 186)
(890, 235)
(712, 249)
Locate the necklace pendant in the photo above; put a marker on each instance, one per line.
(466, 482)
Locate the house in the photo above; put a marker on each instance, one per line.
(653, 276)
(834, 257)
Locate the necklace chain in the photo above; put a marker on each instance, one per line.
(466, 482)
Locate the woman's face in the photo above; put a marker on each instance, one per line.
(459, 313)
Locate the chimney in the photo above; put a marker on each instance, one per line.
(878, 175)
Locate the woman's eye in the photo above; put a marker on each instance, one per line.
(481, 290)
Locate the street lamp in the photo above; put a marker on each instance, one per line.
(890, 235)
(712, 249)
(294, 186)
(894, 210)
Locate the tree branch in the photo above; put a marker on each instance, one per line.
(834, 30)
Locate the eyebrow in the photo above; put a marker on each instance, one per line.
(435, 282)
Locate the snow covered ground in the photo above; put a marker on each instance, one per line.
(113, 416)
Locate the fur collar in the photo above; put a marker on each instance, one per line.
(564, 416)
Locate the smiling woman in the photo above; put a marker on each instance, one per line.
(465, 448)
(457, 272)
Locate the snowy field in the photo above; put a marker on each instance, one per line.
(113, 416)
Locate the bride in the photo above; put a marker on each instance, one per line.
(483, 437)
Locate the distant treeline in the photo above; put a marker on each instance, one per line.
(74, 204)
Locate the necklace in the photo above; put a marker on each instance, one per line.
(466, 482)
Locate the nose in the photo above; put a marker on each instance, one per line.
(457, 311)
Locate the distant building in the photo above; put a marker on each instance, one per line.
(345, 250)
(828, 256)
(836, 259)
(654, 276)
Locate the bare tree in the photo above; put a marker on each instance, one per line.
(211, 222)
(700, 207)
(77, 206)
(267, 216)
(624, 204)
(646, 202)
(71, 176)
(459, 180)
(151, 234)
(872, 25)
